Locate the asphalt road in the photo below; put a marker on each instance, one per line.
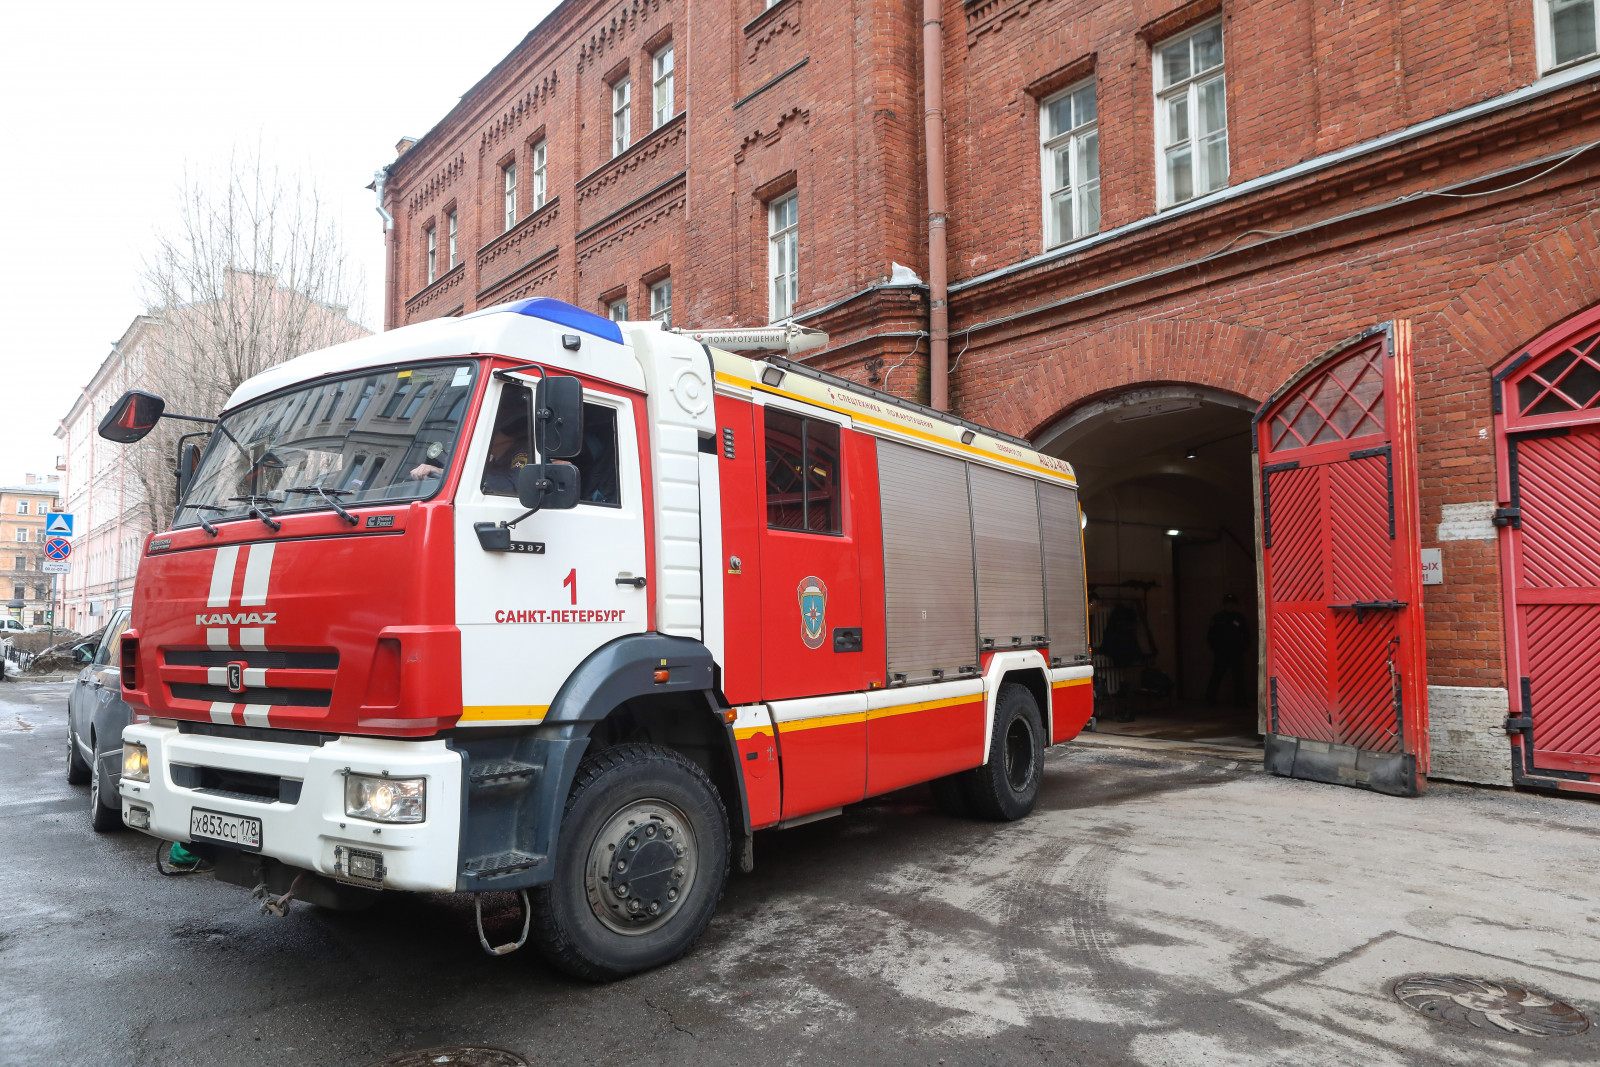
(1156, 909)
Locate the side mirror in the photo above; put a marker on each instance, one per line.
(558, 417)
(188, 463)
(82, 654)
(131, 417)
(548, 485)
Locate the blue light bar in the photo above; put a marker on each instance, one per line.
(559, 312)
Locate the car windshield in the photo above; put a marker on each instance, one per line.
(386, 435)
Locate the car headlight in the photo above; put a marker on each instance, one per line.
(135, 761)
(384, 799)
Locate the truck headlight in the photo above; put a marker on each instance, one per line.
(384, 799)
(135, 761)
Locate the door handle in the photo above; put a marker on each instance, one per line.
(98, 684)
(1361, 607)
(637, 583)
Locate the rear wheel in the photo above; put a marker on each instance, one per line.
(77, 769)
(639, 868)
(1007, 786)
(104, 819)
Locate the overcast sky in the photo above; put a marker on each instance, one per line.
(102, 105)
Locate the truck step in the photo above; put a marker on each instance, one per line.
(501, 863)
(492, 771)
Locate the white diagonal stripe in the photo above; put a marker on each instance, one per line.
(257, 572)
(253, 638)
(221, 712)
(217, 638)
(222, 576)
(256, 714)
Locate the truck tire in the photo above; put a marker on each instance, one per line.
(104, 819)
(77, 769)
(1007, 786)
(647, 814)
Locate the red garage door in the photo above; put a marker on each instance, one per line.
(1340, 550)
(1547, 406)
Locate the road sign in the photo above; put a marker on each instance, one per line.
(55, 566)
(58, 524)
(57, 548)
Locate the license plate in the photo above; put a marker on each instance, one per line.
(241, 831)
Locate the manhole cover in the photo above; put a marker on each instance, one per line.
(1477, 1003)
(463, 1056)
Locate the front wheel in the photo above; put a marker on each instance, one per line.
(1007, 786)
(640, 864)
(104, 819)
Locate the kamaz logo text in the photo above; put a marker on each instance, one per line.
(254, 618)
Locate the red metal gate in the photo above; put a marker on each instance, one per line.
(1547, 414)
(1343, 571)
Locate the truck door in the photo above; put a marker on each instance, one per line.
(528, 617)
(811, 627)
(1341, 550)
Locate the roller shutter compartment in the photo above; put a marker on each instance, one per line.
(1005, 510)
(1062, 530)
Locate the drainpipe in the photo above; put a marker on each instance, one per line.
(380, 178)
(933, 135)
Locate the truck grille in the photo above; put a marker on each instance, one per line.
(238, 785)
(285, 698)
(211, 657)
(299, 679)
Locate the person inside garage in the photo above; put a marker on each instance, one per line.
(1228, 637)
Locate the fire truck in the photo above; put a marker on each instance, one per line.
(535, 601)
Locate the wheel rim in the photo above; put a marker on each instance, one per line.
(641, 867)
(94, 784)
(1019, 755)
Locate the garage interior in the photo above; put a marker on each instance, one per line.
(1164, 477)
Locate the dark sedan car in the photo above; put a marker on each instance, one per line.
(96, 714)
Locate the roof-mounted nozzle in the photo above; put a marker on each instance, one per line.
(788, 337)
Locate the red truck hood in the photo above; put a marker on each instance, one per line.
(317, 626)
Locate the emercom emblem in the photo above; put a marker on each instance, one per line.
(813, 611)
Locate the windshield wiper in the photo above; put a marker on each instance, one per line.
(328, 495)
(204, 525)
(255, 511)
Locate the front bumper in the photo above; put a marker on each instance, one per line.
(312, 833)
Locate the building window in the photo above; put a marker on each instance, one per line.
(802, 473)
(1071, 165)
(621, 116)
(22, 563)
(1566, 31)
(783, 254)
(433, 253)
(22, 534)
(451, 228)
(538, 175)
(661, 301)
(661, 68)
(19, 592)
(510, 172)
(1191, 116)
(22, 507)
(618, 309)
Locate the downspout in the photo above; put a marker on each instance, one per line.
(380, 179)
(933, 135)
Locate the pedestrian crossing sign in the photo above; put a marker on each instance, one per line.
(58, 524)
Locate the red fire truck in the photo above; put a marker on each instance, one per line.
(531, 600)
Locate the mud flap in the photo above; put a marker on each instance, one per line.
(1322, 761)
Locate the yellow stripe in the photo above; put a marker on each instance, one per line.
(859, 416)
(926, 705)
(1070, 681)
(745, 732)
(499, 712)
(825, 720)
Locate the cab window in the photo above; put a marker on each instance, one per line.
(509, 451)
(802, 474)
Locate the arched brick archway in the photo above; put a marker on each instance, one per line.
(1056, 374)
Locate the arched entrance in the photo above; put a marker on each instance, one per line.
(1165, 477)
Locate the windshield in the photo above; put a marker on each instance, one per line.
(384, 435)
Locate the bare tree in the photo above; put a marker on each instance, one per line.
(253, 273)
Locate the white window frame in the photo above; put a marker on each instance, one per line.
(22, 533)
(1544, 33)
(432, 257)
(661, 301)
(661, 86)
(783, 243)
(539, 153)
(617, 310)
(509, 171)
(621, 115)
(22, 507)
(1073, 139)
(451, 224)
(1188, 88)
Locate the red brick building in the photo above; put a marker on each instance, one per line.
(1162, 216)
